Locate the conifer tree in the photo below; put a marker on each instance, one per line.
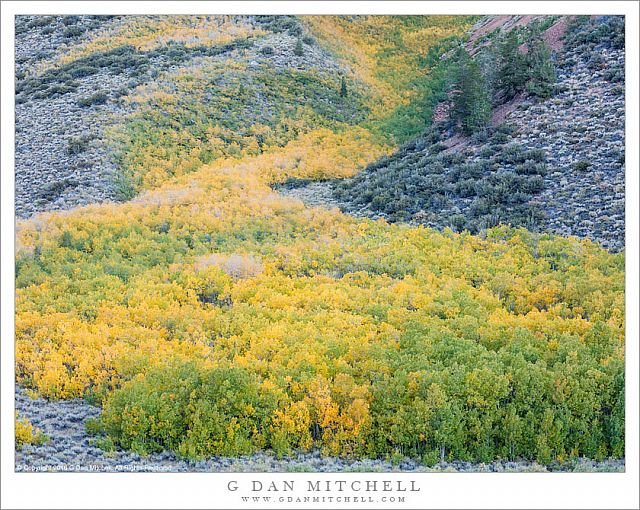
(487, 59)
(298, 51)
(542, 73)
(512, 75)
(343, 87)
(471, 105)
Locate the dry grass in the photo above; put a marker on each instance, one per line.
(235, 265)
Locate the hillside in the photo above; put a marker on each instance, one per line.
(554, 164)
(72, 146)
(100, 98)
(206, 317)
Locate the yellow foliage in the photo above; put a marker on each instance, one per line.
(382, 51)
(148, 32)
(26, 433)
(211, 266)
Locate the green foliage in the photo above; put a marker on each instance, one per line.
(343, 87)
(280, 24)
(581, 166)
(488, 60)
(398, 59)
(298, 51)
(196, 413)
(211, 316)
(106, 444)
(124, 185)
(471, 108)
(444, 395)
(585, 33)
(409, 120)
(54, 189)
(70, 20)
(72, 32)
(512, 73)
(78, 145)
(454, 347)
(26, 433)
(546, 24)
(542, 74)
(219, 118)
(99, 97)
(124, 59)
(533, 71)
(447, 190)
(590, 36)
(41, 21)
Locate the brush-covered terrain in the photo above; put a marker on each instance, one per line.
(549, 155)
(163, 277)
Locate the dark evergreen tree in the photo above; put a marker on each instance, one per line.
(471, 109)
(298, 50)
(512, 74)
(343, 87)
(541, 70)
(488, 59)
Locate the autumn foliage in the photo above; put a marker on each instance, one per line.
(212, 316)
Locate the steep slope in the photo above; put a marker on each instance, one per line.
(582, 131)
(99, 99)
(60, 161)
(210, 316)
(73, 74)
(549, 165)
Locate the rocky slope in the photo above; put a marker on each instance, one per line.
(64, 158)
(67, 108)
(60, 158)
(578, 133)
(582, 131)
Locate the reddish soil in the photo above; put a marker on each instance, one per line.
(499, 113)
(487, 28)
(552, 36)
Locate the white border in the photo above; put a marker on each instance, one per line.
(209, 490)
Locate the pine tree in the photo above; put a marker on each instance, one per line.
(512, 75)
(541, 71)
(343, 88)
(487, 59)
(298, 51)
(471, 105)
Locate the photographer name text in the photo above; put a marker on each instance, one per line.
(258, 486)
